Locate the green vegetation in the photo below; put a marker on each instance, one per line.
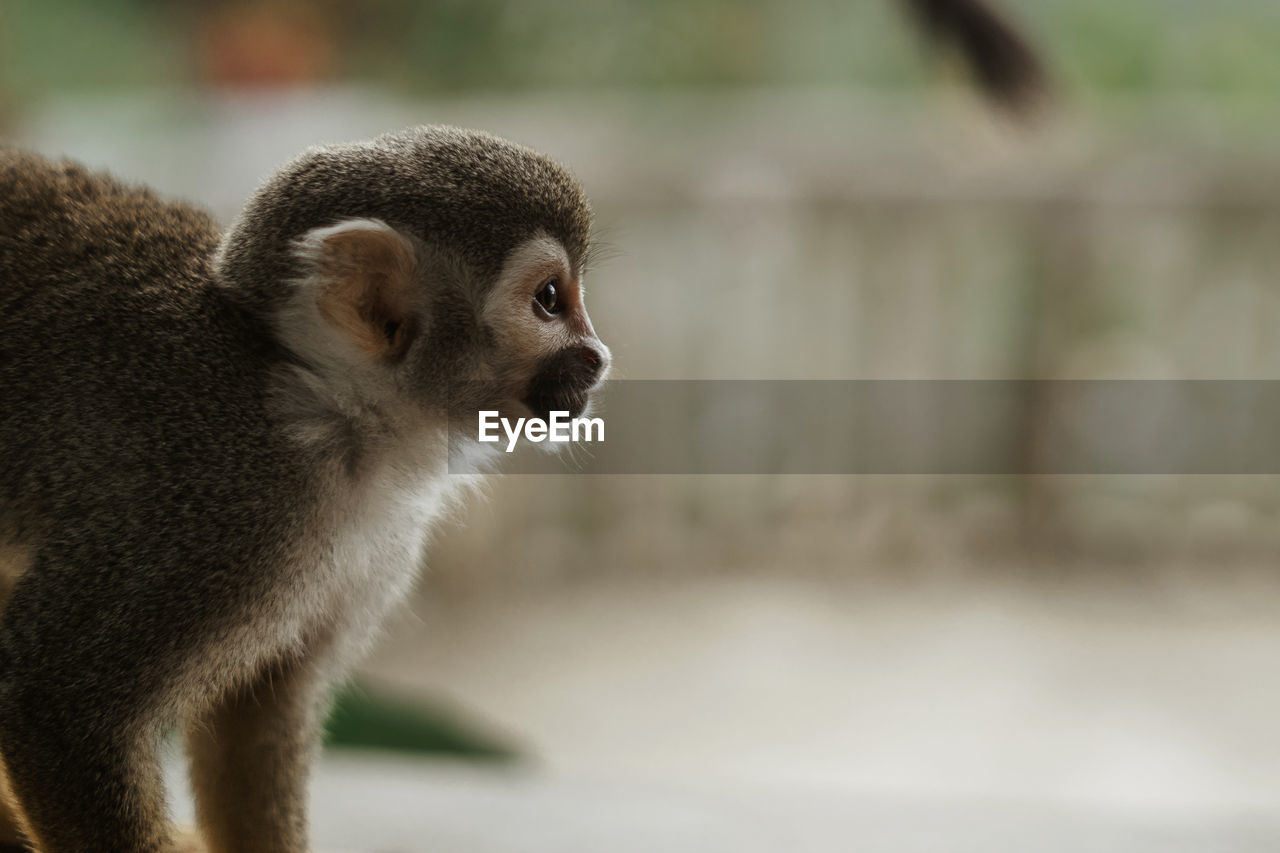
(370, 720)
(460, 45)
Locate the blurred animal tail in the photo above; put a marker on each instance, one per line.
(1004, 64)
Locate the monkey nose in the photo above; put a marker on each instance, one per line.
(590, 357)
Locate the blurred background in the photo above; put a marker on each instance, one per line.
(792, 190)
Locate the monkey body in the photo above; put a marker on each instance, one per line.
(220, 455)
(97, 356)
(98, 359)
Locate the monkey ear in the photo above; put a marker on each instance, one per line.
(364, 272)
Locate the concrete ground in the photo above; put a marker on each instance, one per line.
(743, 715)
(365, 803)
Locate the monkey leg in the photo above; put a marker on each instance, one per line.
(251, 754)
(10, 829)
(14, 561)
(83, 790)
(11, 836)
(87, 681)
(10, 822)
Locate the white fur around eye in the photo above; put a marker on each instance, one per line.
(523, 336)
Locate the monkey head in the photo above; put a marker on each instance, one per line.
(433, 269)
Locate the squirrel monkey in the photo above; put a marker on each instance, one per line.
(220, 454)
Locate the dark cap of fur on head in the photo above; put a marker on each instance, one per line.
(466, 191)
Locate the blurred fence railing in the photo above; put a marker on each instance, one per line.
(834, 236)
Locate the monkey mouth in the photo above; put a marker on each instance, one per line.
(563, 382)
(543, 403)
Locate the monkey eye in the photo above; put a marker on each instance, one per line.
(547, 299)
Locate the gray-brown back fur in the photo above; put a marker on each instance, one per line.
(131, 400)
